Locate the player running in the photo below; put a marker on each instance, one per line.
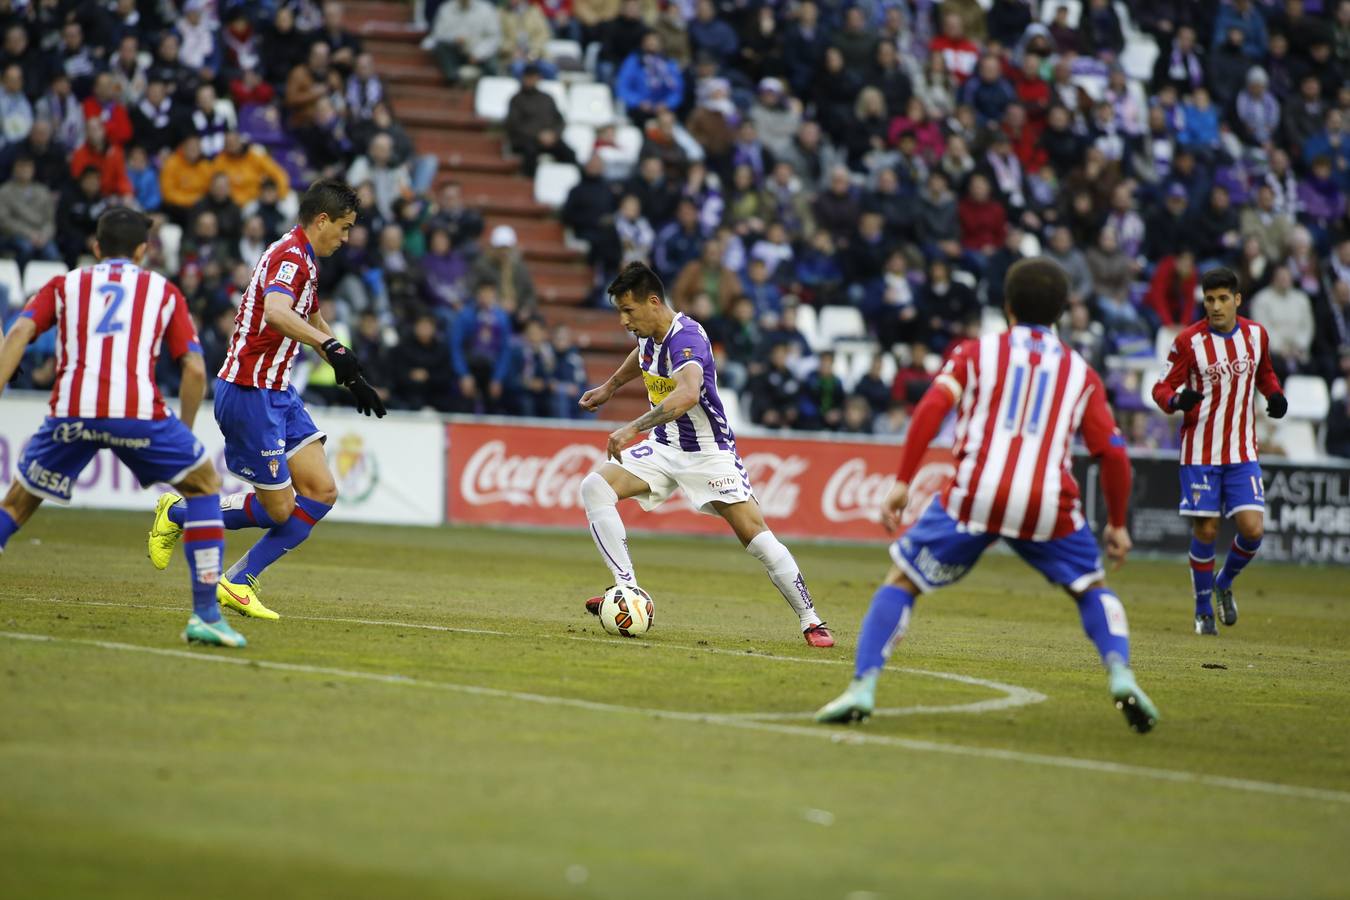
(111, 318)
(270, 440)
(690, 447)
(1020, 397)
(1212, 371)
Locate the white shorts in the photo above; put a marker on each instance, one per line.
(704, 476)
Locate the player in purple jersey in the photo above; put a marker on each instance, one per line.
(690, 446)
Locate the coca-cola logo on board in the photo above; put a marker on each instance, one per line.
(854, 493)
(929, 481)
(492, 475)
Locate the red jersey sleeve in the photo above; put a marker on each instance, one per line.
(1267, 382)
(286, 274)
(959, 369)
(42, 308)
(1180, 361)
(181, 335)
(1105, 443)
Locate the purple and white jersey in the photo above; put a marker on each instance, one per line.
(705, 426)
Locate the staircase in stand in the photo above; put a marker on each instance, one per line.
(440, 120)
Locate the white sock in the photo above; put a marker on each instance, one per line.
(607, 528)
(785, 575)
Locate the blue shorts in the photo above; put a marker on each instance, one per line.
(156, 450)
(1211, 491)
(263, 428)
(938, 551)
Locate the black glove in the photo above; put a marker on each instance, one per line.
(367, 399)
(1276, 406)
(346, 369)
(1187, 400)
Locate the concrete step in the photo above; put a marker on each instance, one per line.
(404, 71)
(357, 12)
(463, 144)
(480, 188)
(457, 119)
(448, 97)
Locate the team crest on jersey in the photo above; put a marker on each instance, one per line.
(286, 272)
(688, 354)
(273, 466)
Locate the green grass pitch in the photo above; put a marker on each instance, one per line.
(512, 750)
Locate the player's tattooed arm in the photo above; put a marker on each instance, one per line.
(677, 403)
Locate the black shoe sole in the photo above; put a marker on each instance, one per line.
(1228, 612)
(1138, 719)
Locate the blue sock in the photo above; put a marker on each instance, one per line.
(1239, 555)
(280, 540)
(1202, 575)
(7, 527)
(1106, 626)
(204, 546)
(882, 627)
(236, 511)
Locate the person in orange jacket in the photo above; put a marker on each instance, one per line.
(185, 178)
(247, 165)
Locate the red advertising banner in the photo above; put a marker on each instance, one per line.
(531, 475)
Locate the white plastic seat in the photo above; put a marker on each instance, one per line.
(731, 404)
(808, 325)
(11, 286)
(581, 138)
(553, 181)
(1339, 389)
(992, 321)
(852, 359)
(492, 96)
(1298, 439)
(840, 323)
(888, 367)
(225, 108)
(1162, 342)
(621, 159)
(590, 104)
(1138, 57)
(37, 273)
(559, 50)
(558, 91)
(1308, 397)
(171, 243)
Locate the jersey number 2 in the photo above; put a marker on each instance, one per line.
(111, 323)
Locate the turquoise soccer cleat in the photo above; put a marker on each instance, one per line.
(1139, 710)
(218, 633)
(855, 704)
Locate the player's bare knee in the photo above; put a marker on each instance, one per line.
(1206, 530)
(200, 482)
(1251, 531)
(896, 577)
(326, 494)
(277, 504)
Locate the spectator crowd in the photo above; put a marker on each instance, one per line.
(890, 156)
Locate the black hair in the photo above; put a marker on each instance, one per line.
(330, 197)
(120, 231)
(1037, 290)
(639, 279)
(1218, 279)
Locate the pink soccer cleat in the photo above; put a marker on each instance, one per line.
(818, 636)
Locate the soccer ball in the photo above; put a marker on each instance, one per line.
(627, 610)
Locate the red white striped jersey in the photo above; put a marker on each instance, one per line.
(1021, 396)
(111, 319)
(1227, 369)
(258, 355)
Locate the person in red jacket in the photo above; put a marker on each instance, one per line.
(105, 104)
(959, 52)
(984, 224)
(107, 158)
(1171, 293)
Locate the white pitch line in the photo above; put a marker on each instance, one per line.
(1013, 695)
(833, 735)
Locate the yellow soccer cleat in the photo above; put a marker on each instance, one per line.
(243, 599)
(164, 534)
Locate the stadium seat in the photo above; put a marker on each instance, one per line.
(1308, 397)
(808, 324)
(1030, 245)
(1339, 389)
(1075, 11)
(852, 360)
(732, 404)
(1298, 440)
(590, 104)
(992, 321)
(840, 323)
(1162, 342)
(553, 181)
(563, 52)
(11, 286)
(888, 367)
(171, 243)
(623, 156)
(492, 95)
(558, 91)
(581, 138)
(1138, 57)
(225, 109)
(961, 276)
(38, 272)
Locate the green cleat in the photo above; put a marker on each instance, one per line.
(854, 705)
(164, 534)
(1227, 605)
(218, 633)
(1139, 710)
